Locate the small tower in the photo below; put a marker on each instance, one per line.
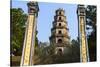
(59, 33)
(29, 40)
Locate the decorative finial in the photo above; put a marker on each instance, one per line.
(33, 7)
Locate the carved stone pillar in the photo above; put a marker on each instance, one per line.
(29, 40)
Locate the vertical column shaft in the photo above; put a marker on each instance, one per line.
(29, 41)
(82, 34)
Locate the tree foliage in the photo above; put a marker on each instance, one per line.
(75, 50)
(46, 55)
(18, 25)
(91, 24)
(18, 19)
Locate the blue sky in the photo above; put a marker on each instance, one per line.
(46, 17)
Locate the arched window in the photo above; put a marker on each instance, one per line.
(59, 40)
(59, 24)
(60, 13)
(59, 18)
(59, 32)
(60, 50)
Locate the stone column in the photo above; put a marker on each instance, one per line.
(84, 55)
(29, 40)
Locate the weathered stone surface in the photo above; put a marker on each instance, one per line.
(59, 33)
